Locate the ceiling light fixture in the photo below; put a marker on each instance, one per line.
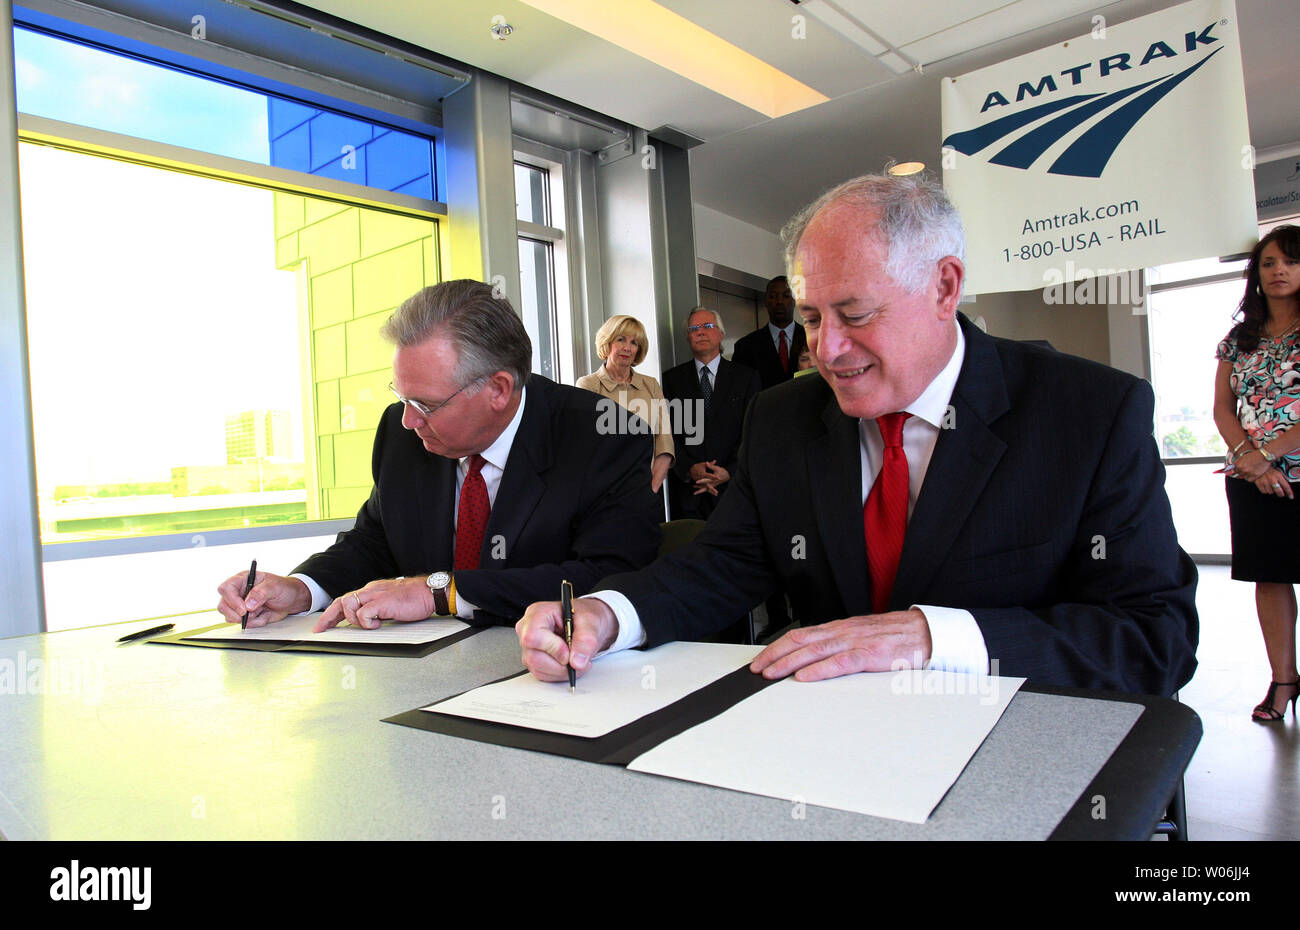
(906, 168)
(671, 41)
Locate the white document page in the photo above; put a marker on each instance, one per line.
(298, 629)
(888, 744)
(615, 691)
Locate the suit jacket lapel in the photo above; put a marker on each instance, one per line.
(694, 377)
(436, 492)
(835, 470)
(963, 460)
(723, 379)
(521, 483)
(798, 343)
(769, 348)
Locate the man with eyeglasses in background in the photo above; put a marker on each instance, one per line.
(491, 485)
(706, 457)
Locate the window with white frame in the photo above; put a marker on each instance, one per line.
(1190, 307)
(543, 259)
(207, 266)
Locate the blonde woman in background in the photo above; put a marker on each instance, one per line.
(621, 342)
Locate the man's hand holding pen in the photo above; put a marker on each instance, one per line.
(272, 598)
(541, 636)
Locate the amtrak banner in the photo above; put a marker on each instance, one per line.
(1122, 149)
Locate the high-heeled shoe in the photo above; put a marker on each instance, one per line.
(1266, 712)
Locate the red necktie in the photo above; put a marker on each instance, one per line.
(783, 353)
(472, 517)
(884, 516)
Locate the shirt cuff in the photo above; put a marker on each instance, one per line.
(319, 599)
(464, 609)
(956, 643)
(630, 631)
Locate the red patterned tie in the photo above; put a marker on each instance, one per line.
(884, 516)
(783, 353)
(472, 517)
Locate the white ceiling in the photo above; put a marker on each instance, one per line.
(761, 170)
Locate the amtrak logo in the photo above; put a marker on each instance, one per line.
(1087, 156)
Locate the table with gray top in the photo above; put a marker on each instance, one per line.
(161, 742)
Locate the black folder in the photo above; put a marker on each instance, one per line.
(617, 747)
(402, 650)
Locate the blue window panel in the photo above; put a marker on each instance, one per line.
(285, 115)
(396, 158)
(420, 187)
(78, 84)
(353, 175)
(292, 150)
(330, 132)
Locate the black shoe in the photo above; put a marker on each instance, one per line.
(1266, 712)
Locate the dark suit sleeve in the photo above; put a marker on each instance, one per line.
(610, 524)
(729, 557)
(1128, 618)
(751, 387)
(683, 462)
(361, 554)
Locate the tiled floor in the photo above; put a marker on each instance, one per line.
(1244, 781)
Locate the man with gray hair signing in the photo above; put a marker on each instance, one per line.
(491, 485)
(940, 498)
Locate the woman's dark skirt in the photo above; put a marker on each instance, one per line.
(1265, 533)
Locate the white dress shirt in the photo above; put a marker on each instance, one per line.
(494, 466)
(956, 643)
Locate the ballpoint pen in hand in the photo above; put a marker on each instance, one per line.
(252, 576)
(566, 609)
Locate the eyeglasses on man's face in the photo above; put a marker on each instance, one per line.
(699, 326)
(423, 409)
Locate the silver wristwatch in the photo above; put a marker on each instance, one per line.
(440, 585)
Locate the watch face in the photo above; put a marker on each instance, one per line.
(439, 580)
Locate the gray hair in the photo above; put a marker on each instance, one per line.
(716, 318)
(918, 223)
(488, 335)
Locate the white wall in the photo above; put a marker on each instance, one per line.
(1074, 329)
(728, 241)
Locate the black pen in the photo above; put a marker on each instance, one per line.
(566, 609)
(149, 632)
(252, 574)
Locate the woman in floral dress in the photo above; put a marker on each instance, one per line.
(1256, 408)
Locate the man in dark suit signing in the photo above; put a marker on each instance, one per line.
(941, 498)
(706, 445)
(773, 350)
(491, 485)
